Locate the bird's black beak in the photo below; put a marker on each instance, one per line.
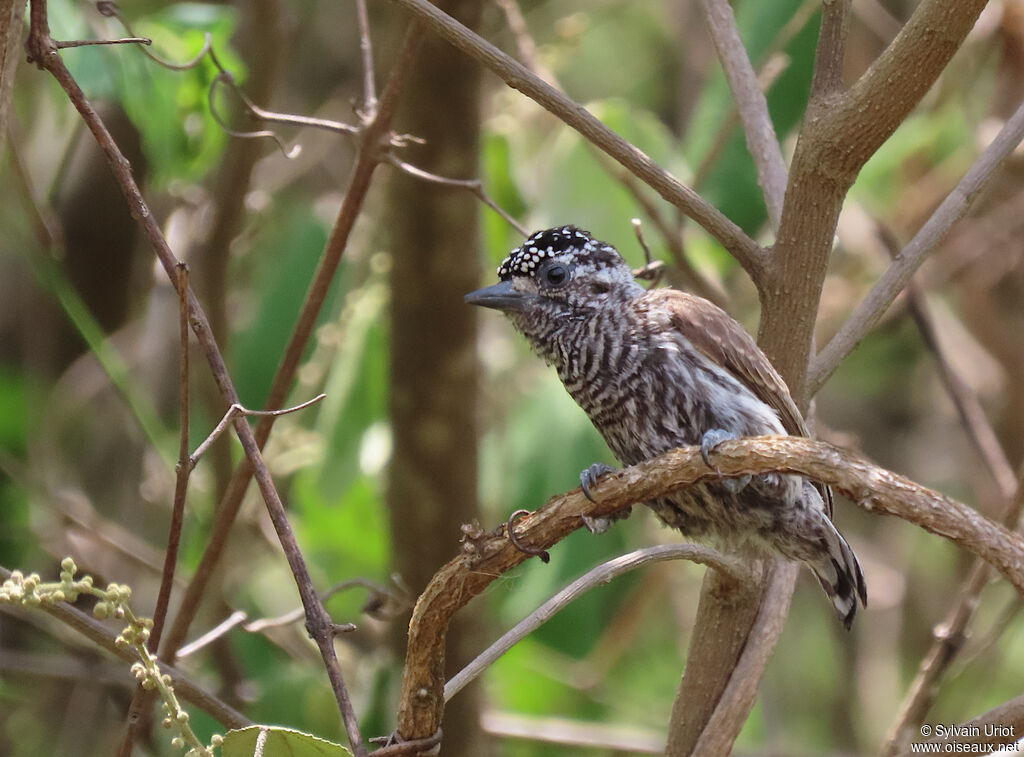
(500, 296)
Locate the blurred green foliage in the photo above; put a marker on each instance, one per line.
(616, 655)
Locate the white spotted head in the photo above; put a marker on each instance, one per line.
(561, 272)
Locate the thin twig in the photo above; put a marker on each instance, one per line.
(606, 738)
(594, 577)
(475, 186)
(694, 278)
(525, 44)
(183, 468)
(968, 407)
(948, 639)
(751, 104)
(516, 75)
(96, 42)
(115, 12)
(103, 637)
(234, 619)
(43, 51)
(376, 130)
(238, 617)
(288, 152)
(411, 747)
(270, 116)
(237, 411)
(893, 281)
(366, 48)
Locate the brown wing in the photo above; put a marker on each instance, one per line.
(725, 342)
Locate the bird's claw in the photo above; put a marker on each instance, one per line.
(588, 478)
(711, 439)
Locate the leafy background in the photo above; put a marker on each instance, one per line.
(87, 433)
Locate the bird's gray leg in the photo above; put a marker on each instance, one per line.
(711, 439)
(588, 477)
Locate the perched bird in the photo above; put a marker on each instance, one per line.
(658, 369)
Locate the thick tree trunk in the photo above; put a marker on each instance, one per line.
(435, 241)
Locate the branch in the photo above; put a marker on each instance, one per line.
(104, 638)
(968, 407)
(600, 575)
(474, 186)
(485, 557)
(840, 133)
(517, 76)
(831, 49)
(752, 105)
(376, 130)
(719, 732)
(43, 52)
(897, 276)
(949, 638)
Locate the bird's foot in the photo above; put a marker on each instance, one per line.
(711, 439)
(589, 476)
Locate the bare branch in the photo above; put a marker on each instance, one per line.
(270, 116)
(237, 411)
(909, 260)
(831, 50)
(517, 76)
(183, 468)
(948, 640)
(826, 163)
(471, 185)
(719, 733)
(485, 557)
(104, 638)
(234, 619)
(752, 105)
(97, 42)
(43, 51)
(374, 132)
(597, 576)
(366, 48)
(972, 416)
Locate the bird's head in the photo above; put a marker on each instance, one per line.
(558, 275)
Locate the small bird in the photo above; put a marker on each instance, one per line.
(659, 369)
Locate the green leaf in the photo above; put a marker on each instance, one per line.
(278, 742)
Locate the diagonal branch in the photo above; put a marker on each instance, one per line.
(898, 275)
(731, 567)
(376, 132)
(485, 557)
(841, 132)
(751, 104)
(43, 52)
(517, 76)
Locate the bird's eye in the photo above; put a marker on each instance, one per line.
(555, 275)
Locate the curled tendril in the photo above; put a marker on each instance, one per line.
(226, 78)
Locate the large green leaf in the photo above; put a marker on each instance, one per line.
(278, 742)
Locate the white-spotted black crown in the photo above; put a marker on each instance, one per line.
(551, 243)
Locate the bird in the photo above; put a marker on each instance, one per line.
(660, 368)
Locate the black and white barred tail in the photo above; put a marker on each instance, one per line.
(839, 574)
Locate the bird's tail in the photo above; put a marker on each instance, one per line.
(839, 574)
